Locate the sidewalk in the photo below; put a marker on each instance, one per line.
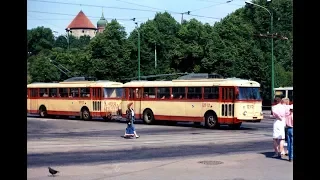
(248, 166)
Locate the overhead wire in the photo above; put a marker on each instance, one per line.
(141, 5)
(44, 21)
(112, 7)
(95, 17)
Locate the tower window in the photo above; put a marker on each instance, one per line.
(82, 31)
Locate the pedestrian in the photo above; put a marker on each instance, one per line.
(287, 103)
(279, 111)
(130, 130)
(289, 125)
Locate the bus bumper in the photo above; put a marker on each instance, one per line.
(251, 120)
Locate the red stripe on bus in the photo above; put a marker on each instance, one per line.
(70, 113)
(221, 120)
(194, 100)
(77, 98)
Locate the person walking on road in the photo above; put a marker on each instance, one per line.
(289, 125)
(130, 128)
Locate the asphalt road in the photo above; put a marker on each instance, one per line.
(59, 142)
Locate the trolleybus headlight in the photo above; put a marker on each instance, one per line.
(245, 113)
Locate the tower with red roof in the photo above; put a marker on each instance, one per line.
(81, 26)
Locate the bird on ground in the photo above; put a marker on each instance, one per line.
(52, 171)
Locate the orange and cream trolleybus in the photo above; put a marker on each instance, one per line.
(83, 99)
(212, 102)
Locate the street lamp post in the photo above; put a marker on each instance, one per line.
(272, 61)
(66, 36)
(68, 40)
(138, 51)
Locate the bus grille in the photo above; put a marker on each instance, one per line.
(227, 109)
(96, 105)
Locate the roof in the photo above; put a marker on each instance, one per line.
(284, 88)
(77, 84)
(81, 21)
(194, 83)
(102, 22)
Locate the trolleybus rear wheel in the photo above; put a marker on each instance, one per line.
(43, 111)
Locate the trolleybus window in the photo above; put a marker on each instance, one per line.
(211, 93)
(63, 92)
(84, 92)
(135, 93)
(280, 94)
(194, 93)
(163, 93)
(113, 92)
(249, 93)
(34, 92)
(43, 92)
(149, 92)
(96, 92)
(52, 92)
(290, 95)
(74, 92)
(179, 92)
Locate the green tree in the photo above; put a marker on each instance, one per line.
(108, 52)
(41, 69)
(38, 39)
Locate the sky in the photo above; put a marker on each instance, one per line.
(58, 14)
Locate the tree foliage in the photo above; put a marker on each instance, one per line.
(231, 47)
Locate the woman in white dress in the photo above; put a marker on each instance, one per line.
(279, 112)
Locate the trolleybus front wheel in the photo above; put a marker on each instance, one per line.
(211, 120)
(85, 114)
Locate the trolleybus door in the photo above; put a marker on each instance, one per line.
(96, 100)
(135, 98)
(33, 94)
(227, 104)
(137, 103)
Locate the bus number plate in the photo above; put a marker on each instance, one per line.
(250, 106)
(205, 104)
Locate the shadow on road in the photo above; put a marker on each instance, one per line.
(142, 154)
(270, 155)
(39, 129)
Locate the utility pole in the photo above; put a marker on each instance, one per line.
(139, 76)
(68, 38)
(155, 55)
(250, 4)
(188, 12)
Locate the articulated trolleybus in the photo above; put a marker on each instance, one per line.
(212, 102)
(75, 97)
